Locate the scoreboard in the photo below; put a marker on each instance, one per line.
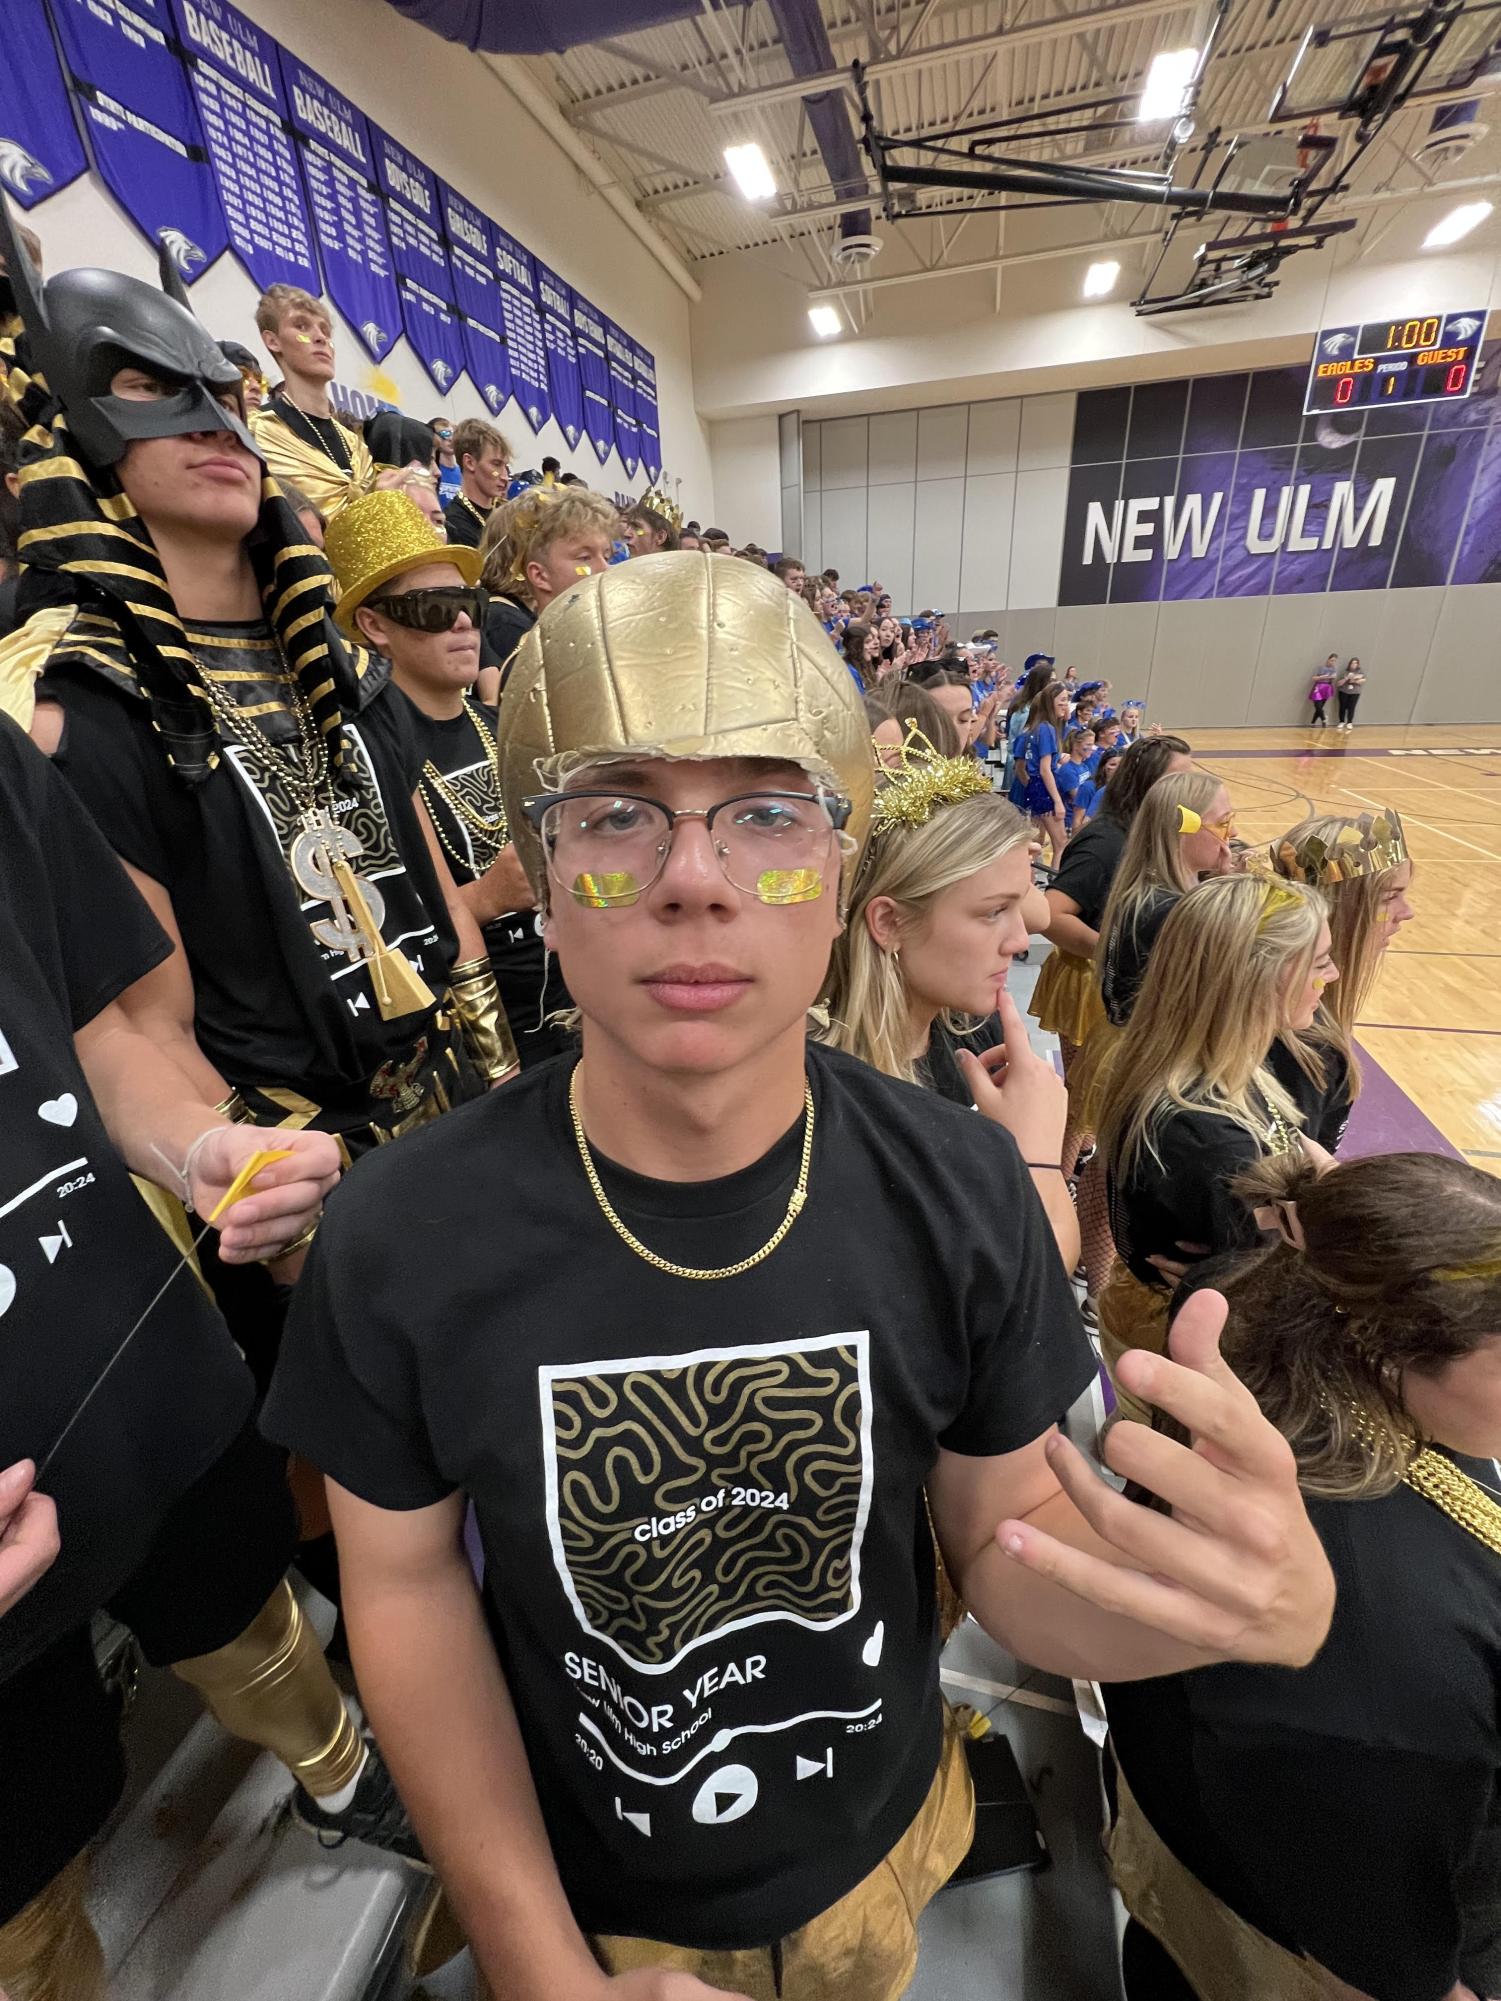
(1425, 358)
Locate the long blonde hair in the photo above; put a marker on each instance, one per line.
(1153, 854)
(1355, 932)
(1208, 1011)
(868, 1007)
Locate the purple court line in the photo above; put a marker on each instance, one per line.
(1385, 1120)
(1422, 1028)
(1347, 750)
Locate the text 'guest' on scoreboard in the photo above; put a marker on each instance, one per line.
(1422, 358)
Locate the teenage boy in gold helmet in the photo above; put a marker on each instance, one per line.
(696, 1363)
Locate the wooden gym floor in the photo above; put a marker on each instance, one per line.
(1432, 1025)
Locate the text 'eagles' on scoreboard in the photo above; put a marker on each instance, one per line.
(1424, 358)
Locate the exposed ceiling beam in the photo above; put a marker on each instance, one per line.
(670, 79)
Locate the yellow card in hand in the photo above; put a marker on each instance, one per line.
(240, 1186)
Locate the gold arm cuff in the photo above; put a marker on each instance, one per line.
(475, 999)
(235, 1109)
(298, 1243)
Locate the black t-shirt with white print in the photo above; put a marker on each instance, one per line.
(531, 986)
(81, 1256)
(709, 1572)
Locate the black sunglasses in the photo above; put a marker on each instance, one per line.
(435, 610)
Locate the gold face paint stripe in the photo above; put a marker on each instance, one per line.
(612, 890)
(789, 885)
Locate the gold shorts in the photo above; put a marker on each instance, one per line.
(1066, 1000)
(864, 1948)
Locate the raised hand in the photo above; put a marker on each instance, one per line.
(285, 1197)
(1236, 1570)
(28, 1533)
(1019, 1089)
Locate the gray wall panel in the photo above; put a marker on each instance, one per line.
(812, 458)
(985, 556)
(893, 447)
(1026, 629)
(1079, 639)
(1037, 534)
(994, 429)
(936, 542)
(1047, 434)
(888, 541)
(941, 440)
(1463, 681)
(1189, 636)
(844, 533)
(1284, 669)
(812, 550)
(844, 451)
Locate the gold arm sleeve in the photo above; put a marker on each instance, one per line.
(475, 999)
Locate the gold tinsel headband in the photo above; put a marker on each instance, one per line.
(922, 781)
(1368, 845)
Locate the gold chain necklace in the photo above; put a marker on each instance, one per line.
(794, 1206)
(1462, 1499)
(487, 837)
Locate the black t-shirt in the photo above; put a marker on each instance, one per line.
(506, 624)
(469, 814)
(1343, 1809)
(81, 1255)
(464, 522)
(8, 619)
(1325, 1107)
(275, 1004)
(1181, 1194)
(709, 1571)
(1127, 950)
(940, 1069)
(1088, 868)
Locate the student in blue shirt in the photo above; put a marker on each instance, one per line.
(1048, 714)
(1071, 771)
(1092, 789)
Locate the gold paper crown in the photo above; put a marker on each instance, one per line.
(1367, 845)
(661, 502)
(921, 782)
(376, 538)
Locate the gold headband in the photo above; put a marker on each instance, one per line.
(1453, 1274)
(1278, 898)
(922, 781)
(1368, 845)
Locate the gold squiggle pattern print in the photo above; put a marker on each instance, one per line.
(645, 1446)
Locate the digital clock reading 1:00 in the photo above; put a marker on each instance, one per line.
(1423, 358)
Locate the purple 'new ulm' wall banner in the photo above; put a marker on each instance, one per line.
(349, 217)
(594, 375)
(235, 72)
(423, 280)
(141, 124)
(40, 150)
(471, 256)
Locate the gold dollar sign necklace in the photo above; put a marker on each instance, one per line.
(323, 854)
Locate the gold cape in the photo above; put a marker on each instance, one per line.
(290, 457)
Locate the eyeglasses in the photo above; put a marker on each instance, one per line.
(435, 610)
(1224, 829)
(606, 848)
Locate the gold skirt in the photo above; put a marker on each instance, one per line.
(1066, 1000)
(1221, 1956)
(1132, 1315)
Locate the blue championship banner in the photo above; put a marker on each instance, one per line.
(141, 125)
(556, 302)
(594, 375)
(623, 396)
(40, 150)
(349, 217)
(423, 279)
(471, 255)
(646, 410)
(235, 73)
(525, 346)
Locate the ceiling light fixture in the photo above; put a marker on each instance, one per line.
(1457, 223)
(824, 320)
(752, 171)
(1100, 279)
(1167, 86)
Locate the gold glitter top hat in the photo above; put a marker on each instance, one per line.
(378, 537)
(922, 781)
(1366, 845)
(684, 656)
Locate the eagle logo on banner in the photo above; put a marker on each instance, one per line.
(374, 335)
(536, 416)
(492, 395)
(571, 433)
(184, 251)
(442, 372)
(18, 169)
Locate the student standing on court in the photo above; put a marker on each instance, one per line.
(1322, 689)
(684, 1321)
(1348, 688)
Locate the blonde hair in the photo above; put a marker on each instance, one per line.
(868, 1002)
(1153, 855)
(1208, 1011)
(279, 300)
(1354, 912)
(519, 531)
(474, 437)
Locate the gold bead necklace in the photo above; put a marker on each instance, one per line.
(794, 1207)
(1462, 1499)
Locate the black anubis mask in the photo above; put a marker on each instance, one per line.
(83, 326)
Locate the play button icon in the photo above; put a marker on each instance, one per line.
(726, 1795)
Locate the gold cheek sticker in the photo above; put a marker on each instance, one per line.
(606, 891)
(789, 885)
(582, 570)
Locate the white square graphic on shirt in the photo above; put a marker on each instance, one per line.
(694, 1495)
(7, 1056)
